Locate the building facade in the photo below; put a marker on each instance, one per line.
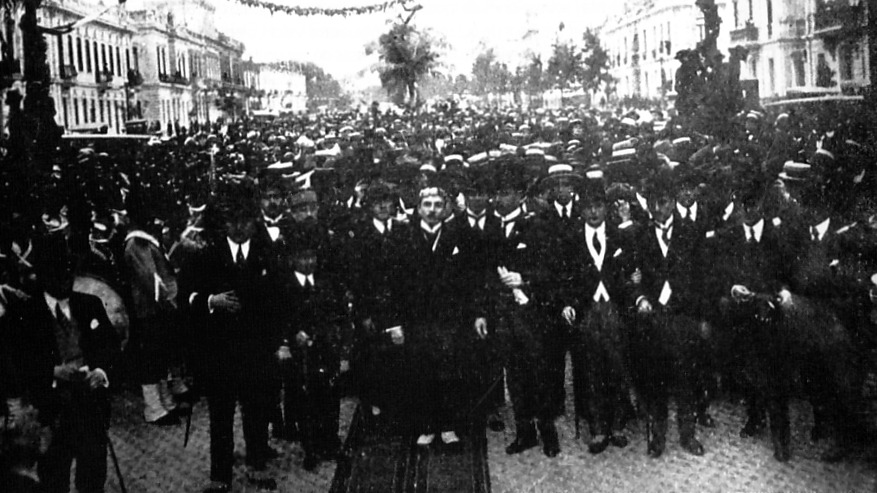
(642, 41)
(802, 46)
(283, 89)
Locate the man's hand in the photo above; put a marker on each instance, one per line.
(481, 327)
(741, 293)
(66, 372)
(785, 298)
(227, 302)
(396, 334)
(637, 277)
(569, 314)
(345, 366)
(644, 306)
(510, 279)
(284, 354)
(302, 338)
(96, 379)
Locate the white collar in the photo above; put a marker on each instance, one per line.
(667, 225)
(143, 235)
(822, 228)
(511, 216)
(600, 230)
(684, 212)
(245, 247)
(474, 215)
(755, 230)
(302, 278)
(272, 221)
(562, 208)
(52, 302)
(430, 229)
(381, 226)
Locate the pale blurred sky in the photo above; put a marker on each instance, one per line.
(337, 43)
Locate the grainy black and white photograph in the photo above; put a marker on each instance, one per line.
(438, 246)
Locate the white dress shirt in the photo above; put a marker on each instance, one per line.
(245, 247)
(563, 208)
(659, 232)
(754, 231)
(817, 233)
(304, 280)
(381, 226)
(52, 302)
(684, 213)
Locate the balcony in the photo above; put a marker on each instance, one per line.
(134, 78)
(794, 29)
(103, 77)
(178, 79)
(68, 72)
(837, 15)
(745, 35)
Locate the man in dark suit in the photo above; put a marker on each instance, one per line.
(598, 342)
(375, 252)
(757, 345)
(434, 322)
(314, 316)
(232, 286)
(61, 349)
(550, 280)
(666, 332)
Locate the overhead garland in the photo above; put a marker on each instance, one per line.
(308, 11)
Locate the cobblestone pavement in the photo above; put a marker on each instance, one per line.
(153, 460)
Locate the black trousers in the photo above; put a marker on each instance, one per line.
(523, 356)
(79, 432)
(664, 349)
(256, 395)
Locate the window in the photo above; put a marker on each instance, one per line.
(76, 111)
(118, 62)
(71, 53)
(136, 59)
(645, 45)
(64, 103)
(101, 105)
(98, 64)
(93, 111)
(158, 60)
(769, 18)
(127, 59)
(845, 62)
(771, 74)
(87, 56)
(798, 67)
(104, 66)
(750, 10)
(79, 53)
(110, 63)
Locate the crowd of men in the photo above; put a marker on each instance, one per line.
(435, 259)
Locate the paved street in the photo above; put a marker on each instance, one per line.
(154, 460)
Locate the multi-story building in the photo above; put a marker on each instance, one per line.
(190, 70)
(643, 39)
(283, 88)
(89, 66)
(804, 46)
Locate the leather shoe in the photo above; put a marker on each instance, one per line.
(550, 442)
(655, 448)
(521, 444)
(217, 487)
(169, 419)
(598, 444)
(693, 446)
(619, 441)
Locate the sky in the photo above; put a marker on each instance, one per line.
(337, 44)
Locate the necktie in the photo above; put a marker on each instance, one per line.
(814, 233)
(63, 321)
(665, 235)
(598, 245)
(750, 235)
(239, 259)
(565, 213)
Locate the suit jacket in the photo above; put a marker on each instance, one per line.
(376, 264)
(825, 268)
(679, 270)
(613, 274)
(319, 311)
(253, 334)
(757, 265)
(30, 350)
(552, 269)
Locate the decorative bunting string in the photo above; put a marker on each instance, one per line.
(307, 11)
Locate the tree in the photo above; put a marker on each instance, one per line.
(595, 64)
(533, 79)
(406, 56)
(565, 65)
(483, 72)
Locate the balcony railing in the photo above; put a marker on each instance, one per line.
(830, 15)
(134, 78)
(746, 34)
(103, 77)
(68, 72)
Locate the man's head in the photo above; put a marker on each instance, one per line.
(561, 183)
(381, 201)
(240, 227)
(304, 260)
(432, 205)
(304, 207)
